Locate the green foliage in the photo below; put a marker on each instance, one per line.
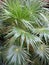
(29, 22)
(16, 55)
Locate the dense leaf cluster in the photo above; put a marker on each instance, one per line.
(25, 32)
